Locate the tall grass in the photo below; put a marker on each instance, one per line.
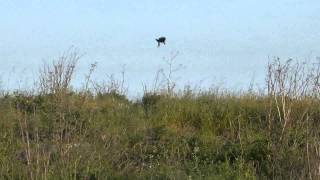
(98, 133)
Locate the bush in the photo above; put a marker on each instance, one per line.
(60, 133)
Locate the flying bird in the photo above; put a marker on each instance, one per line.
(161, 40)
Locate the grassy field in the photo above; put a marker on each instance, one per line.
(98, 133)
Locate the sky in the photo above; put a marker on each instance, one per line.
(219, 42)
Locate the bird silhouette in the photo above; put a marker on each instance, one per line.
(161, 40)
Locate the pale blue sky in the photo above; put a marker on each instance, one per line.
(225, 41)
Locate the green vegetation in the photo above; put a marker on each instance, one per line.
(98, 133)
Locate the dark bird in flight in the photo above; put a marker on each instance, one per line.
(161, 40)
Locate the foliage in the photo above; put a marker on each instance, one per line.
(60, 133)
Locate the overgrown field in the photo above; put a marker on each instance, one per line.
(97, 133)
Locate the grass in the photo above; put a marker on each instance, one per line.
(98, 133)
